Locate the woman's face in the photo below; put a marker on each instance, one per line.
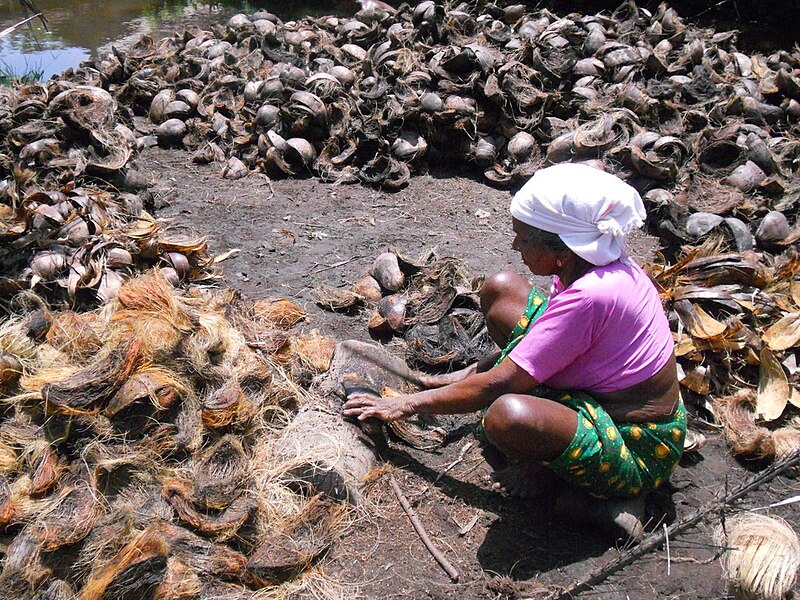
(539, 259)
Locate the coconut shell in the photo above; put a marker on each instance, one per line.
(222, 406)
(386, 271)
(368, 288)
(773, 228)
(393, 309)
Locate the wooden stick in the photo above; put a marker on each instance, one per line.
(8, 30)
(655, 539)
(440, 558)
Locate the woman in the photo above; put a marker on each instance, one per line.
(586, 386)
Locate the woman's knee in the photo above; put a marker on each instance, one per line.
(507, 417)
(502, 285)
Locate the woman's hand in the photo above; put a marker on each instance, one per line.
(365, 406)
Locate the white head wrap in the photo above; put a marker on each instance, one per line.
(590, 210)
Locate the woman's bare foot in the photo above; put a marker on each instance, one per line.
(524, 480)
(625, 515)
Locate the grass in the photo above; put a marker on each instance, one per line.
(10, 76)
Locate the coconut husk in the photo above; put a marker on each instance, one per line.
(7, 506)
(136, 571)
(87, 391)
(10, 372)
(413, 433)
(762, 555)
(286, 554)
(279, 312)
(69, 516)
(457, 339)
(226, 405)
(56, 589)
(314, 352)
(160, 388)
(151, 313)
(178, 582)
(336, 298)
(222, 473)
(737, 416)
(213, 347)
(72, 333)
(48, 469)
(23, 562)
(221, 527)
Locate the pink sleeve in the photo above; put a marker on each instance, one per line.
(558, 337)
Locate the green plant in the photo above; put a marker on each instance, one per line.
(9, 75)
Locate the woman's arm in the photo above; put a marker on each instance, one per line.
(435, 381)
(475, 392)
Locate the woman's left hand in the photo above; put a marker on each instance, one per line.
(365, 406)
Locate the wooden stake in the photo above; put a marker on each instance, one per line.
(440, 558)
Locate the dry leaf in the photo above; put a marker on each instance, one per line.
(697, 321)
(773, 387)
(795, 287)
(697, 380)
(785, 333)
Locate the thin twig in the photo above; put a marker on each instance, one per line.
(666, 538)
(466, 447)
(336, 265)
(8, 30)
(412, 516)
(655, 539)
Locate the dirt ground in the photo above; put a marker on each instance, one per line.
(295, 234)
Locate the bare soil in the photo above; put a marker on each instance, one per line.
(297, 233)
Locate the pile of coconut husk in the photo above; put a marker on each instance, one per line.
(135, 446)
(430, 301)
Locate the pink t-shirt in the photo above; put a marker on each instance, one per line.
(605, 332)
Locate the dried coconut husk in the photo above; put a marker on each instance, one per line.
(138, 569)
(10, 372)
(157, 386)
(221, 473)
(23, 566)
(762, 555)
(289, 552)
(737, 416)
(55, 589)
(89, 389)
(9, 462)
(16, 340)
(314, 351)
(221, 527)
(457, 339)
(162, 539)
(47, 469)
(8, 508)
(179, 582)
(69, 516)
(279, 312)
(151, 312)
(336, 298)
(73, 334)
(226, 405)
(411, 432)
(213, 347)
